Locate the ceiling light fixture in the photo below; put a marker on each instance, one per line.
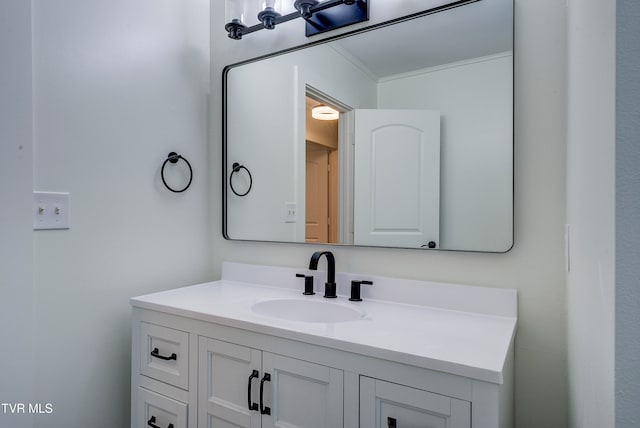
(320, 16)
(323, 112)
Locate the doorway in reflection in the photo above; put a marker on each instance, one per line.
(321, 188)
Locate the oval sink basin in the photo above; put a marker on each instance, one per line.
(307, 310)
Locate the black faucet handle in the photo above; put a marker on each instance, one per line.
(308, 284)
(355, 289)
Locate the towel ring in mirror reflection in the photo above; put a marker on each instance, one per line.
(173, 157)
(236, 168)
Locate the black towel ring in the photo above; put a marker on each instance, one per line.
(237, 167)
(173, 157)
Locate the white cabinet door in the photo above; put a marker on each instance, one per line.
(156, 410)
(284, 392)
(164, 354)
(397, 178)
(389, 405)
(302, 394)
(223, 385)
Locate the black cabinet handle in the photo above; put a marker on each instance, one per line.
(156, 353)
(152, 423)
(391, 422)
(264, 410)
(252, 406)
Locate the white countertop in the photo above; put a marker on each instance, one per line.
(470, 344)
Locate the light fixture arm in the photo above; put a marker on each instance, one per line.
(304, 7)
(268, 18)
(320, 17)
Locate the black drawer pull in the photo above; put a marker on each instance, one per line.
(254, 406)
(156, 353)
(391, 422)
(264, 410)
(152, 423)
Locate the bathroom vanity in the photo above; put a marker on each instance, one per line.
(251, 350)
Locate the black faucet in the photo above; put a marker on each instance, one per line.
(330, 285)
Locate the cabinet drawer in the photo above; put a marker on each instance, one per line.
(160, 411)
(389, 405)
(164, 354)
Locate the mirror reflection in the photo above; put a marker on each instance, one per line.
(400, 136)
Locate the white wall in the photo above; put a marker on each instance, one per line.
(16, 249)
(534, 266)
(118, 84)
(475, 100)
(627, 376)
(590, 212)
(269, 96)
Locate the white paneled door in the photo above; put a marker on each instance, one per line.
(242, 387)
(389, 405)
(397, 178)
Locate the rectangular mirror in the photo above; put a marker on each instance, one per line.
(398, 135)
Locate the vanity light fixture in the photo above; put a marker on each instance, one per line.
(323, 112)
(321, 16)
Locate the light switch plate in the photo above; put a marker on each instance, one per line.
(50, 210)
(290, 215)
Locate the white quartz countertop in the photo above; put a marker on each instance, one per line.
(470, 344)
